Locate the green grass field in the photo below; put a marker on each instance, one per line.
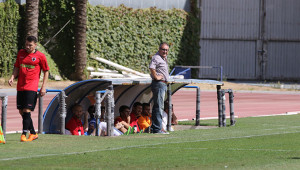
(254, 143)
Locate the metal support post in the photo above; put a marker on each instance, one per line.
(40, 117)
(170, 108)
(231, 96)
(198, 107)
(63, 111)
(219, 96)
(98, 112)
(223, 109)
(112, 101)
(197, 104)
(110, 111)
(99, 99)
(4, 114)
(221, 73)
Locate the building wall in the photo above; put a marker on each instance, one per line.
(257, 39)
(229, 30)
(283, 36)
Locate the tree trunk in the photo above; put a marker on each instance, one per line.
(80, 38)
(32, 17)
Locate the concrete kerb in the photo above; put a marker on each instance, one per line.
(281, 114)
(191, 127)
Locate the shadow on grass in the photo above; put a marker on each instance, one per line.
(194, 122)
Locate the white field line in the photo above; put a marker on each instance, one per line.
(139, 146)
(284, 128)
(231, 149)
(272, 150)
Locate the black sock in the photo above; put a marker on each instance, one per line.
(26, 122)
(31, 128)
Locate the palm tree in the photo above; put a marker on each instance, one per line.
(80, 38)
(32, 17)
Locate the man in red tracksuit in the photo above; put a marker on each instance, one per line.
(75, 125)
(27, 69)
(135, 114)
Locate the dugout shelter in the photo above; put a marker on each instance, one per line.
(125, 92)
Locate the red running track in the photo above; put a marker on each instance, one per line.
(14, 119)
(245, 105)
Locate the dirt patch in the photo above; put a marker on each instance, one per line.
(240, 87)
(59, 84)
(227, 85)
(50, 84)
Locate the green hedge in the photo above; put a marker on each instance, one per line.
(12, 38)
(52, 65)
(123, 35)
(131, 36)
(9, 18)
(53, 15)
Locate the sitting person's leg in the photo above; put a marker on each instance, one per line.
(117, 132)
(67, 132)
(120, 127)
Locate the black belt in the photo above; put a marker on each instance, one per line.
(161, 81)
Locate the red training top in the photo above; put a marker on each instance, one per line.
(118, 119)
(134, 121)
(30, 66)
(74, 125)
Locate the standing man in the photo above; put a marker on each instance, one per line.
(27, 69)
(160, 75)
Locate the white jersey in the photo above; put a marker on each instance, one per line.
(103, 129)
